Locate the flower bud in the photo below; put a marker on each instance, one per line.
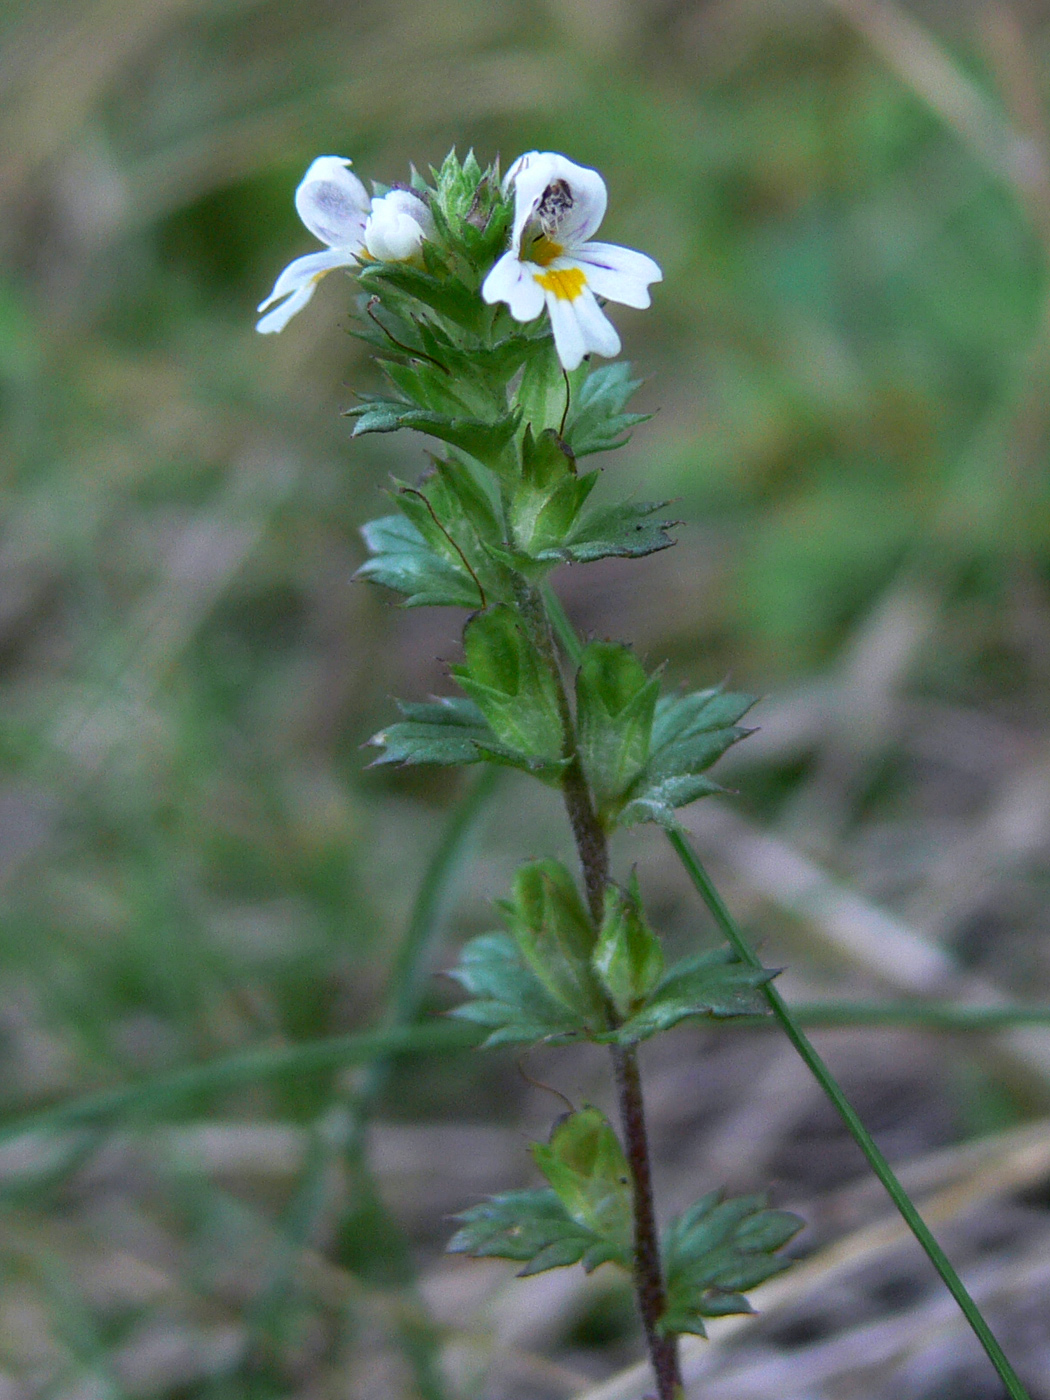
(397, 226)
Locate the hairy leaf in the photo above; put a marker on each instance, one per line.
(628, 957)
(716, 1250)
(482, 439)
(513, 687)
(446, 732)
(553, 930)
(625, 531)
(508, 997)
(404, 561)
(690, 733)
(710, 984)
(537, 982)
(615, 704)
(530, 1226)
(448, 296)
(596, 421)
(585, 1164)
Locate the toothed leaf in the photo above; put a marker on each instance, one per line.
(530, 1226)
(710, 984)
(509, 1000)
(628, 957)
(513, 687)
(596, 421)
(690, 733)
(444, 732)
(586, 1166)
(716, 1250)
(404, 561)
(625, 531)
(615, 704)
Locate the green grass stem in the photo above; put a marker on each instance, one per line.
(882, 1169)
(160, 1094)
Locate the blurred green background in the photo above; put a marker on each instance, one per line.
(849, 366)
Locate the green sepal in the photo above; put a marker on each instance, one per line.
(709, 984)
(553, 931)
(404, 561)
(509, 1000)
(514, 688)
(447, 732)
(483, 440)
(690, 733)
(530, 1226)
(628, 956)
(615, 705)
(596, 421)
(586, 1166)
(716, 1250)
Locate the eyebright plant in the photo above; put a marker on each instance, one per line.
(482, 299)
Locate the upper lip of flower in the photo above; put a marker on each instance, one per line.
(554, 200)
(553, 261)
(336, 208)
(333, 204)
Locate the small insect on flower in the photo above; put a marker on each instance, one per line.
(336, 208)
(551, 260)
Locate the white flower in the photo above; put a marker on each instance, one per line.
(334, 205)
(397, 226)
(551, 260)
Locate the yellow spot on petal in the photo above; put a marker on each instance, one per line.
(566, 283)
(543, 251)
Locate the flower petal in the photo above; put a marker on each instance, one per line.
(513, 282)
(569, 339)
(297, 283)
(619, 274)
(397, 226)
(278, 318)
(599, 333)
(333, 203)
(580, 328)
(575, 215)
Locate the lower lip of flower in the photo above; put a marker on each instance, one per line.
(566, 283)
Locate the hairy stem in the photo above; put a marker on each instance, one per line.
(593, 849)
(648, 1274)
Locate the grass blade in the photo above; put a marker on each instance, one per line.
(882, 1169)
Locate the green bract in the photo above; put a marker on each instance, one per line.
(715, 1251)
(585, 1217)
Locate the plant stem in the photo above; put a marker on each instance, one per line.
(860, 1134)
(593, 849)
(648, 1273)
